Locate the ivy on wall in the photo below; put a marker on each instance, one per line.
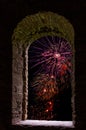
(41, 24)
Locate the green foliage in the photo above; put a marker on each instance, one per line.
(41, 24)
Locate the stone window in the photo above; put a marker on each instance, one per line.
(43, 71)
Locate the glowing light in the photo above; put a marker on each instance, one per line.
(52, 76)
(47, 110)
(50, 103)
(57, 55)
(44, 90)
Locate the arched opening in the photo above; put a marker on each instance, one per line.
(43, 70)
(50, 63)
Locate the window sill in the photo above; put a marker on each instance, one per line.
(67, 124)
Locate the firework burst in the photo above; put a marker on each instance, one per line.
(50, 55)
(44, 87)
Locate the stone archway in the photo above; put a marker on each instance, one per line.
(27, 31)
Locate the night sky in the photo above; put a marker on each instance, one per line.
(50, 71)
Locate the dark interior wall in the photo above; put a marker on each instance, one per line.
(12, 12)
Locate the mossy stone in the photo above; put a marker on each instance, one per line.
(42, 24)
